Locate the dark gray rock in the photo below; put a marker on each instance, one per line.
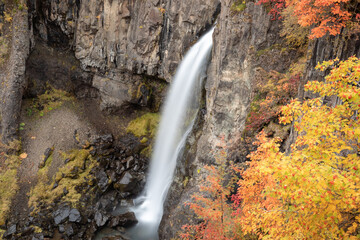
(61, 229)
(124, 220)
(10, 231)
(74, 215)
(61, 214)
(38, 237)
(47, 154)
(12, 80)
(69, 231)
(127, 183)
(100, 219)
(103, 181)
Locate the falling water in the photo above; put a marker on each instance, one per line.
(178, 116)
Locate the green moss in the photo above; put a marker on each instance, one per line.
(146, 125)
(50, 100)
(238, 6)
(186, 181)
(8, 184)
(144, 140)
(146, 152)
(73, 174)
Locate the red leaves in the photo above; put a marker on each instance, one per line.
(326, 16)
(276, 6)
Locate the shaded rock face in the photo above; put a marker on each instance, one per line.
(12, 79)
(124, 42)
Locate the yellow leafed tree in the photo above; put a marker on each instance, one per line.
(314, 191)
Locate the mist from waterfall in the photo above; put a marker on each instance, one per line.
(177, 120)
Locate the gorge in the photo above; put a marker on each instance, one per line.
(82, 86)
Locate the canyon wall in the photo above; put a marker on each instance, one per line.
(125, 51)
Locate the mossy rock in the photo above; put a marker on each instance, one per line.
(8, 184)
(145, 125)
(75, 173)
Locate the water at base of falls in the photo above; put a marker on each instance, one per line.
(178, 117)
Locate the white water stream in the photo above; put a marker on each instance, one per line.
(177, 119)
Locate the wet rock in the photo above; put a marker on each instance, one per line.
(61, 214)
(10, 231)
(124, 220)
(100, 219)
(74, 215)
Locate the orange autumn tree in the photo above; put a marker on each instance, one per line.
(212, 203)
(312, 192)
(324, 16)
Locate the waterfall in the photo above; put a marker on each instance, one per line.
(177, 119)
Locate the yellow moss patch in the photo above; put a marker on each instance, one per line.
(146, 125)
(76, 172)
(144, 140)
(50, 100)
(8, 184)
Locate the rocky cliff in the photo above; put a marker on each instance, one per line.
(125, 52)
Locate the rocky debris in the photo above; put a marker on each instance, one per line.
(74, 215)
(100, 201)
(10, 231)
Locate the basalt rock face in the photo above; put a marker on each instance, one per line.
(12, 79)
(123, 42)
(342, 47)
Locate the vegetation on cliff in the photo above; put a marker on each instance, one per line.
(310, 191)
(9, 164)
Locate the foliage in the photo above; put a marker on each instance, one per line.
(311, 193)
(212, 204)
(324, 16)
(294, 34)
(238, 6)
(273, 91)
